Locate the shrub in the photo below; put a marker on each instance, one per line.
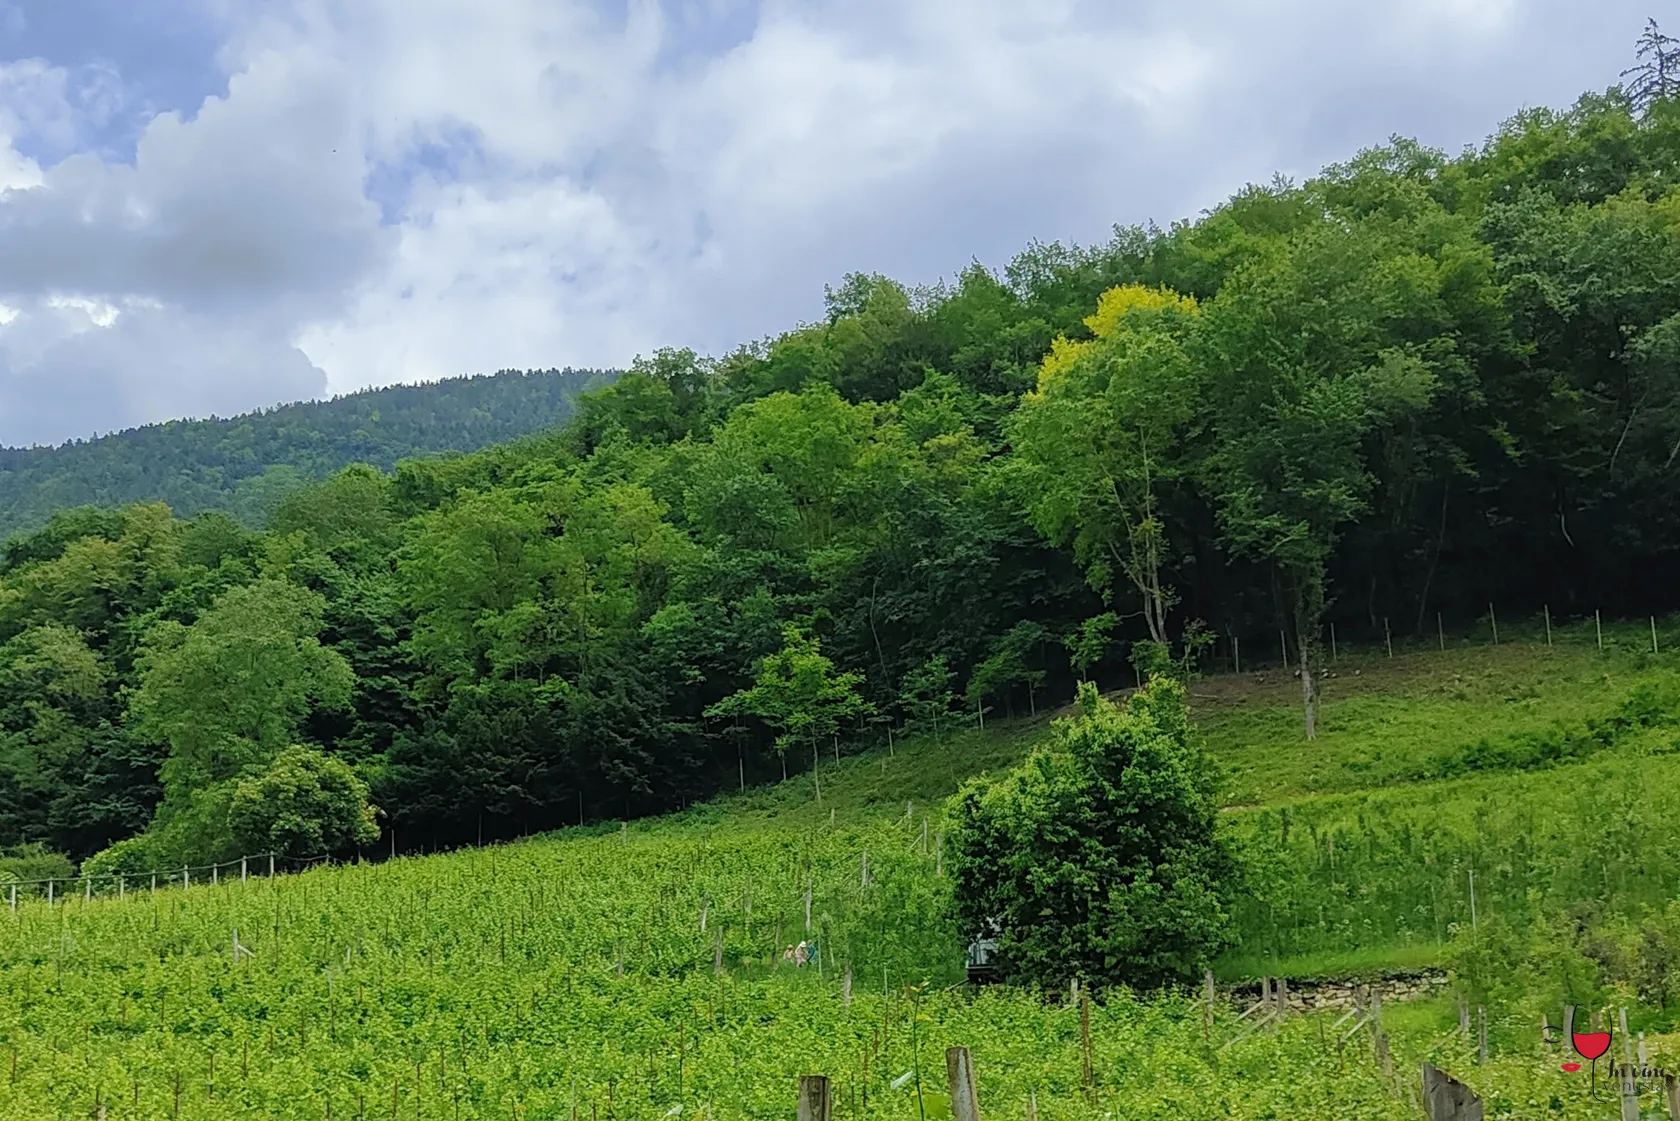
(22, 863)
(130, 857)
(1100, 857)
(304, 804)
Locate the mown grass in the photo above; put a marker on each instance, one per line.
(1387, 721)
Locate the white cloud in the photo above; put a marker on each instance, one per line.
(561, 184)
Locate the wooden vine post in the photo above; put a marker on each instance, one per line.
(814, 1103)
(959, 1072)
(1085, 1040)
(1207, 1005)
(1447, 1099)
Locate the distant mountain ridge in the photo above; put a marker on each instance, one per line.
(244, 464)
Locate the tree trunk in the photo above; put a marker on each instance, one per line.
(1309, 691)
(1306, 590)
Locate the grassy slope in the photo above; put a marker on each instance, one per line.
(1409, 840)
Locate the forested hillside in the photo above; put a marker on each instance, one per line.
(1409, 387)
(244, 464)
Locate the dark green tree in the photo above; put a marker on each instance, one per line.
(1100, 857)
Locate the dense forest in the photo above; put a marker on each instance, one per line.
(1411, 385)
(245, 464)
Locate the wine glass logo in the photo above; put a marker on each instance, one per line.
(1590, 1045)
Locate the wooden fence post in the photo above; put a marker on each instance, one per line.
(1332, 644)
(959, 1073)
(1463, 1016)
(1671, 1090)
(1440, 633)
(1085, 1038)
(813, 1097)
(1236, 651)
(1653, 634)
(1494, 619)
(1598, 629)
(1388, 638)
(1630, 1094)
(1379, 1039)
(1547, 609)
(242, 869)
(1447, 1099)
(1207, 1008)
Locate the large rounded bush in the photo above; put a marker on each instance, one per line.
(305, 803)
(1100, 857)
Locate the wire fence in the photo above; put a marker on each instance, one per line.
(55, 889)
(1252, 651)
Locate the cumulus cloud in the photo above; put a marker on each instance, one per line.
(401, 189)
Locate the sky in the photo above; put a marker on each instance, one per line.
(211, 206)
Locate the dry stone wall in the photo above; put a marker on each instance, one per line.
(1310, 995)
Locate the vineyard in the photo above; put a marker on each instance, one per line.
(635, 971)
(626, 975)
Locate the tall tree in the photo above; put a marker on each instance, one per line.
(1657, 74)
(1098, 440)
(232, 689)
(1307, 356)
(798, 692)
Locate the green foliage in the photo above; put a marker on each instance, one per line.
(926, 697)
(128, 857)
(33, 862)
(232, 689)
(468, 963)
(1153, 659)
(303, 804)
(1010, 664)
(798, 693)
(1100, 439)
(1088, 645)
(1100, 858)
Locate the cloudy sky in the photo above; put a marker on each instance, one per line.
(207, 206)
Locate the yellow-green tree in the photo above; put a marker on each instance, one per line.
(1099, 438)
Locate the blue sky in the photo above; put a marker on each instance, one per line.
(207, 206)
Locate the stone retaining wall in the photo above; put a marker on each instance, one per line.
(1307, 995)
